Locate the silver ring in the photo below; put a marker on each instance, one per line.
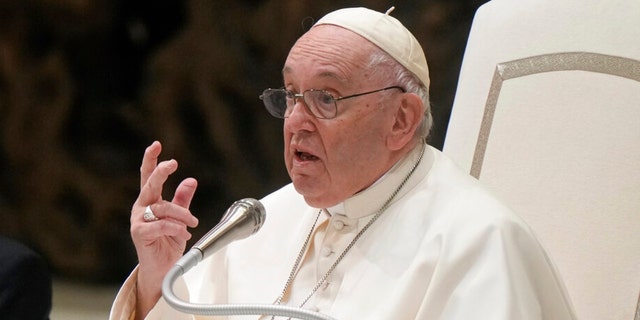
(148, 215)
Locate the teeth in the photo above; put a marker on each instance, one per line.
(306, 156)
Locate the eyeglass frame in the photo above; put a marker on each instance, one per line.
(335, 100)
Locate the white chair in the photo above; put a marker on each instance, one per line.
(547, 114)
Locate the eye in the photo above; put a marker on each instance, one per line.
(325, 99)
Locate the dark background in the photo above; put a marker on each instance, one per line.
(86, 85)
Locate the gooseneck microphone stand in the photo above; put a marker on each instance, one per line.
(242, 219)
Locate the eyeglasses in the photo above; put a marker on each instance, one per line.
(280, 102)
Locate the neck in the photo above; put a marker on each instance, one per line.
(371, 198)
(394, 158)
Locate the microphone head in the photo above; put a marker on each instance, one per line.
(243, 218)
(251, 209)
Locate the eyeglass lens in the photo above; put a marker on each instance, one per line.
(280, 102)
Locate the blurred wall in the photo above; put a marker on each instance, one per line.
(86, 85)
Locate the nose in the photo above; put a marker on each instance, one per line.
(300, 117)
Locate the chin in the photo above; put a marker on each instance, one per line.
(309, 197)
(315, 191)
(317, 201)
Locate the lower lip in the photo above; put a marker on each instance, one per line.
(297, 161)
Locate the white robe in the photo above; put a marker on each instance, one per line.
(444, 249)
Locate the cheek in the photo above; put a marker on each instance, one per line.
(353, 147)
(351, 142)
(366, 132)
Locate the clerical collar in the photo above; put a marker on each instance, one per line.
(367, 201)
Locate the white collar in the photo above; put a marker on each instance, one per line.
(369, 200)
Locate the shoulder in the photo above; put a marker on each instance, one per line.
(284, 198)
(457, 203)
(17, 257)
(25, 281)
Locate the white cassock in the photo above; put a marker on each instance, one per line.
(445, 248)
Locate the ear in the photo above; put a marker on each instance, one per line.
(407, 118)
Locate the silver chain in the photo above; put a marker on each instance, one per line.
(349, 246)
(297, 262)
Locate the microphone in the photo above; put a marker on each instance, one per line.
(243, 218)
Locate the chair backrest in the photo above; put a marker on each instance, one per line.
(547, 114)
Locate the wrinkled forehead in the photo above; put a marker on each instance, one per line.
(330, 49)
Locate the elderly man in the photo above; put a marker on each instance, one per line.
(375, 225)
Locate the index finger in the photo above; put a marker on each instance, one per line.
(149, 162)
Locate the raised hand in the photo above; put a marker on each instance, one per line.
(159, 242)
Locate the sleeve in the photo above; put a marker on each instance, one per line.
(124, 305)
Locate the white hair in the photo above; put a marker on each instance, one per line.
(386, 67)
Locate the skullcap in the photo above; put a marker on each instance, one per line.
(387, 33)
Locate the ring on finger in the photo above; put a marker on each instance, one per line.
(148, 215)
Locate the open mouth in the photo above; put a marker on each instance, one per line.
(305, 156)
